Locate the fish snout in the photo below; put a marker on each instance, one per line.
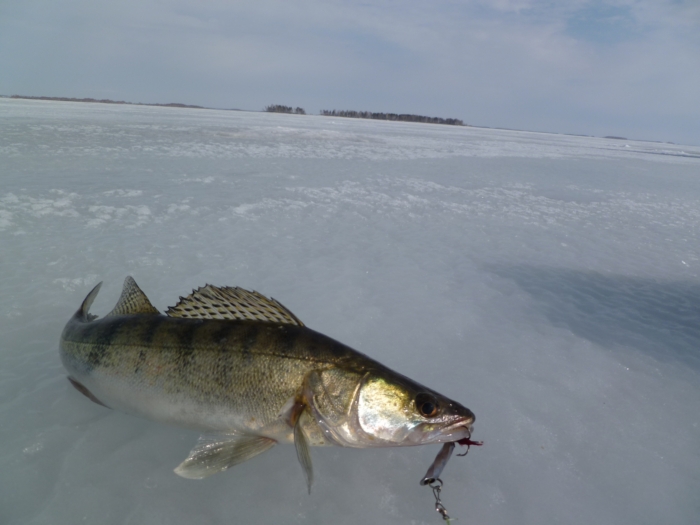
(465, 419)
(462, 426)
(469, 418)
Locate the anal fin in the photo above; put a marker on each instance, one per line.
(83, 390)
(217, 452)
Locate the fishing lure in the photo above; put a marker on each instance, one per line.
(432, 476)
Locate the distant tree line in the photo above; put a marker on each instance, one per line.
(107, 101)
(391, 116)
(279, 108)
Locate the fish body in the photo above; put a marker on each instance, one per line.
(247, 373)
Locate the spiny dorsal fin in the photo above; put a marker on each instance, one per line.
(211, 302)
(133, 301)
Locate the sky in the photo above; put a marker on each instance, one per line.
(595, 67)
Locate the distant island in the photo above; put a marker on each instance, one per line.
(391, 116)
(280, 108)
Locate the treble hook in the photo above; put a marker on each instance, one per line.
(468, 442)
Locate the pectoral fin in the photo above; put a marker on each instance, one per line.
(303, 453)
(296, 414)
(218, 452)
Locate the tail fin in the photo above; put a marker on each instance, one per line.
(83, 312)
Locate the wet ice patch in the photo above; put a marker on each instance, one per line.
(174, 208)
(5, 219)
(72, 283)
(60, 203)
(34, 448)
(18, 211)
(253, 211)
(140, 262)
(202, 180)
(123, 193)
(128, 216)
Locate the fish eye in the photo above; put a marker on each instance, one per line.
(427, 405)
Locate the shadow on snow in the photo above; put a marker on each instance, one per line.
(661, 318)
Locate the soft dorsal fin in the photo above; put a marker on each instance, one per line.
(133, 301)
(211, 302)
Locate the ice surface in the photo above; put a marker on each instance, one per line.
(550, 283)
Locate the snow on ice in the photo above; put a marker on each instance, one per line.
(550, 283)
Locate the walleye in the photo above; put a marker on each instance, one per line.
(248, 374)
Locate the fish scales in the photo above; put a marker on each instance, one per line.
(244, 370)
(245, 365)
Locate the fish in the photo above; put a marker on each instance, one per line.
(247, 373)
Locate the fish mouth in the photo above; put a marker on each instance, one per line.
(461, 429)
(466, 421)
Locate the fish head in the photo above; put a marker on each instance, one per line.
(382, 408)
(398, 411)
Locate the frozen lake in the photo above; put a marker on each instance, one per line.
(549, 283)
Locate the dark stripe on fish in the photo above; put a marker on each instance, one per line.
(153, 323)
(101, 338)
(248, 341)
(288, 343)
